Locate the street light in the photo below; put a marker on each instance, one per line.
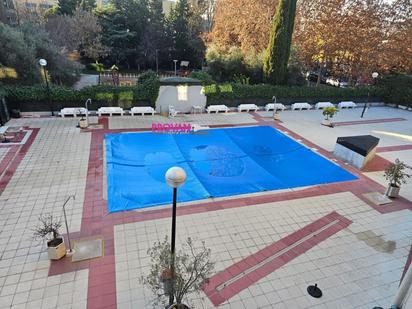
(43, 64)
(175, 177)
(157, 61)
(366, 105)
(175, 61)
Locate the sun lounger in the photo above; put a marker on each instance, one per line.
(247, 107)
(321, 105)
(300, 106)
(142, 110)
(73, 111)
(347, 104)
(272, 106)
(217, 108)
(110, 111)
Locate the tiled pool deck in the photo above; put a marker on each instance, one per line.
(247, 234)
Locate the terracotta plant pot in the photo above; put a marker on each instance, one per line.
(56, 248)
(392, 191)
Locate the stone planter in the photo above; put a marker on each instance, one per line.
(56, 248)
(276, 116)
(327, 123)
(83, 123)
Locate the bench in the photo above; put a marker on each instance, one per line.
(247, 107)
(301, 105)
(217, 108)
(110, 111)
(347, 104)
(321, 105)
(142, 110)
(272, 106)
(73, 111)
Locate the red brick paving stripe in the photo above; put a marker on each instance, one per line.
(376, 164)
(356, 122)
(239, 276)
(8, 157)
(394, 148)
(12, 166)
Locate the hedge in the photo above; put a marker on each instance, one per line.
(397, 89)
(217, 93)
(146, 91)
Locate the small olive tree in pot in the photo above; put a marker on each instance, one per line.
(396, 174)
(48, 229)
(192, 269)
(329, 112)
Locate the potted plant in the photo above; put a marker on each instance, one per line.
(83, 123)
(192, 267)
(49, 227)
(329, 112)
(396, 174)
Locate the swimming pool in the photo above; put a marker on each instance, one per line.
(220, 162)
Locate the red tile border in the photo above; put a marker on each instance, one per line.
(376, 164)
(394, 148)
(356, 122)
(251, 269)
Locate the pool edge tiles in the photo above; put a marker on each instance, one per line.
(223, 162)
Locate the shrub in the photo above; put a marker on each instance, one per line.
(329, 112)
(397, 89)
(204, 77)
(216, 93)
(147, 90)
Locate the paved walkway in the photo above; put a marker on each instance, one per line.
(358, 260)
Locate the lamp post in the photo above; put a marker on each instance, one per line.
(157, 61)
(175, 61)
(175, 177)
(43, 64)
(274, 107)
(374, 76)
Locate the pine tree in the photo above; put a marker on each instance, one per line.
(277, 53)
(66, 7)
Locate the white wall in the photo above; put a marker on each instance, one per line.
(182, 97)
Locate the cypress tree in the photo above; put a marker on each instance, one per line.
(276, 58)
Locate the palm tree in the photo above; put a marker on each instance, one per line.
(99, 68)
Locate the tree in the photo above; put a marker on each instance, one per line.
(16, 54)
(278, 51)
(242, 23)
(22, 49)
(192, 268)
(61, 69)
(99, 67)
(66, 7)
(179, 26)
(79, 31)
(154, 43)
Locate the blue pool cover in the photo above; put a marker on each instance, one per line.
(219, 162)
